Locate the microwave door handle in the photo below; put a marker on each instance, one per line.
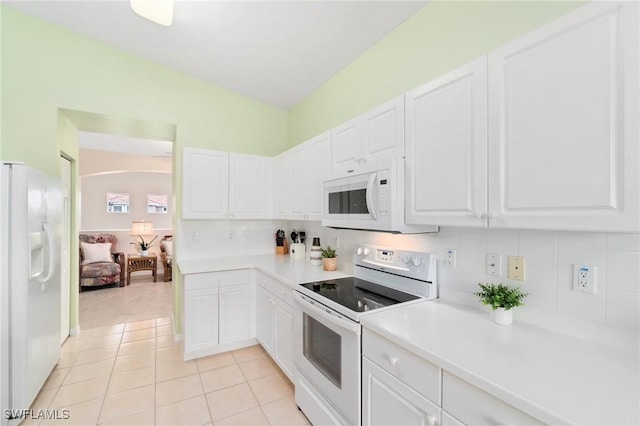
(370, 187)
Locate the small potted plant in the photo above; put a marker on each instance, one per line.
(501, 299)
(144, 245)
(329, 261)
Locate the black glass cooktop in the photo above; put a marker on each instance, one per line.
(357, 294)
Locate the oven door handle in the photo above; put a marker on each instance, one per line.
(325, 316)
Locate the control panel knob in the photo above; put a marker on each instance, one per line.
(417, 261)
(366, 251)
(359, 251)
(406, 259)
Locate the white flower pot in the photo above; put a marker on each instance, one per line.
(502, 316)
(145, 252)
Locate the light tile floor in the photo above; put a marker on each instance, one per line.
(132, 373)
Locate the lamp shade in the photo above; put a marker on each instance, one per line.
(142, 228)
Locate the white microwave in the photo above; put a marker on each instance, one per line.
(369, 198)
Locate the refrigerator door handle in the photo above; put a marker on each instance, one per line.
(50, 244)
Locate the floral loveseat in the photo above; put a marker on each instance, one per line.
(100, 261)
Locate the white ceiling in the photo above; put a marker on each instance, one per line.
(277, 52)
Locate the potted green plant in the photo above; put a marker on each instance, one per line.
(329, 261)
(502, 299)
(144, 245)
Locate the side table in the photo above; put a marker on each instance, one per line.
(142, 263)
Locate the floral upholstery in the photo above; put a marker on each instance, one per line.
(102, 273)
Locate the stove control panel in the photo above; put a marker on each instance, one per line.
(384, 255)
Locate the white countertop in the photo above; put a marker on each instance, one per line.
(553, 377)
(292, 272)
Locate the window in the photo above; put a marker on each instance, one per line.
(117, 202)
(156, 203)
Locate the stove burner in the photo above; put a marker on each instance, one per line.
(357, 294)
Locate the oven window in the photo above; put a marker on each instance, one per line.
(348, 202)
(323, 348)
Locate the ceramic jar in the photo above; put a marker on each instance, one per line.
(315, 253)
(329, 263)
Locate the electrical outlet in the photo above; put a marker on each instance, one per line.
(195, 236)
(517, 270)
(584, 278)
(450, 258)
(494, 264)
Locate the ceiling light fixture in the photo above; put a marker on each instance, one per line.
(158, 11)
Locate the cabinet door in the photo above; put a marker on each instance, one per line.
(280, 169)
(205, 184)
(234, 305)
(265, 319)
(298, 178)
(564, 124)
(383, 131)
(249, 189)
(201, 319)
(446, 146)
(283, 321)
(319, 154)
(234, 313)
(474, 406)
(346, 146)
(388, 401)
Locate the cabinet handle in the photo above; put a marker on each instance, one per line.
(350, 171)
(393, 360)
(431, 420)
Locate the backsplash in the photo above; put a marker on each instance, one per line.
(611, 316)
(212, 238)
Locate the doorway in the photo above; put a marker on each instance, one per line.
(65, 249)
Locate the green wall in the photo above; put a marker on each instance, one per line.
(45, 67)
(439, 38)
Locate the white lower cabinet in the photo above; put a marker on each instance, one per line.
(201, 319)
(402, 388)
(218, 312)
(234, 305)
(473, 406)
(275, 321)
(388, 401)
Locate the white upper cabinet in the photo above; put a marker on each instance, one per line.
(205, 181)
(375, 135)
(249, 186)
(383, 131)
(280, 190)
(563, 123)
(319, 168)
(346, 142)
(446, 149)
(308, 165)
(298, 177)
(221, 185)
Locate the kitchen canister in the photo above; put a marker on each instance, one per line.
(297, 251)
(315, 253)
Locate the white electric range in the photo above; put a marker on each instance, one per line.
(327, 331)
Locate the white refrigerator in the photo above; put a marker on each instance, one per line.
(30, 232)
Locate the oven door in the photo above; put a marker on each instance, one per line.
(327, 353)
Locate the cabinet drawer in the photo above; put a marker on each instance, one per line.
(476, 407)
(275, 287)
(409, 368)
(216, 279)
